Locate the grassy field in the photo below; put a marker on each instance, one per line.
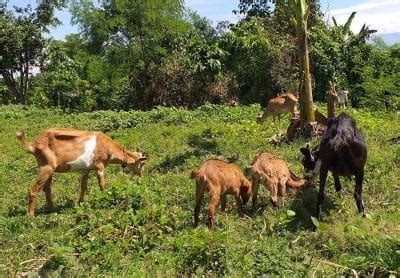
(144, 226)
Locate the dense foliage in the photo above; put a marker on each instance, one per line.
(140, 54)
(143, 227)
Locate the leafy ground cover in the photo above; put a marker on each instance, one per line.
(144, 226)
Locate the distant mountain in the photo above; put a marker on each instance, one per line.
(391, 38)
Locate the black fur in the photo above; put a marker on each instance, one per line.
(342, 151)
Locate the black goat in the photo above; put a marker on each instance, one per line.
(342, 151)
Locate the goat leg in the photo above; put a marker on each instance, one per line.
(223, 203)
(100, 175)
(84, 183)
(338, 186)
(239, 206)
(274, 195)
(214, 199)
(358, 191)
(255, 185)
(47, 191)
(322, 181)
(44, 174)
(199, 198)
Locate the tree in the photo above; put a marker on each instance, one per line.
(355, 49)
(298, 13)
(258, 8)
(135, 37)
(60, 83)
(257, 59)
(22, 41)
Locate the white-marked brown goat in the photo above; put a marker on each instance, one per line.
(65, 150)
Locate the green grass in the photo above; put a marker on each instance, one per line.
(144, 226)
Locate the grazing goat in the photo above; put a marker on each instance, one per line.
(219, 178)
(342, 151)
(67, 150)
(342, 98)
(286, 103)
(273, 172)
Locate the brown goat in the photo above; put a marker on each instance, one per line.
(273, 172)
(286, 103)
(219, 178)
(68, 150)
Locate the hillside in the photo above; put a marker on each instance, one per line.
(144, 226)
(390, 38)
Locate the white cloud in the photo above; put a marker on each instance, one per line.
(383, 15)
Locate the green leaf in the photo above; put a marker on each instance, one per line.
(290, 213)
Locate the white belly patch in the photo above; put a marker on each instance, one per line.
(85, 160)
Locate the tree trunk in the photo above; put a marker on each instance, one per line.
(12, 85)
(21, 79)
(25, 85)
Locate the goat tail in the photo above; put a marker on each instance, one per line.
(27, 145)
(296, 182)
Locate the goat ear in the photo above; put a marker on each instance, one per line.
(305, 151)
(143, 159)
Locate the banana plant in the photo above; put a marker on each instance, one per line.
(346, 27)
(301, 11)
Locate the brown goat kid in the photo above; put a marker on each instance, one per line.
(219, 178)
(273, 172)
(68, 150)
(286, 103)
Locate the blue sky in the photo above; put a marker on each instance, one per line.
(383, 15)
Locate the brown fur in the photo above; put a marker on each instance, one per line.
(286, 103)
(56, 149)
(320, 118)
(273, 172)
(219, 178)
